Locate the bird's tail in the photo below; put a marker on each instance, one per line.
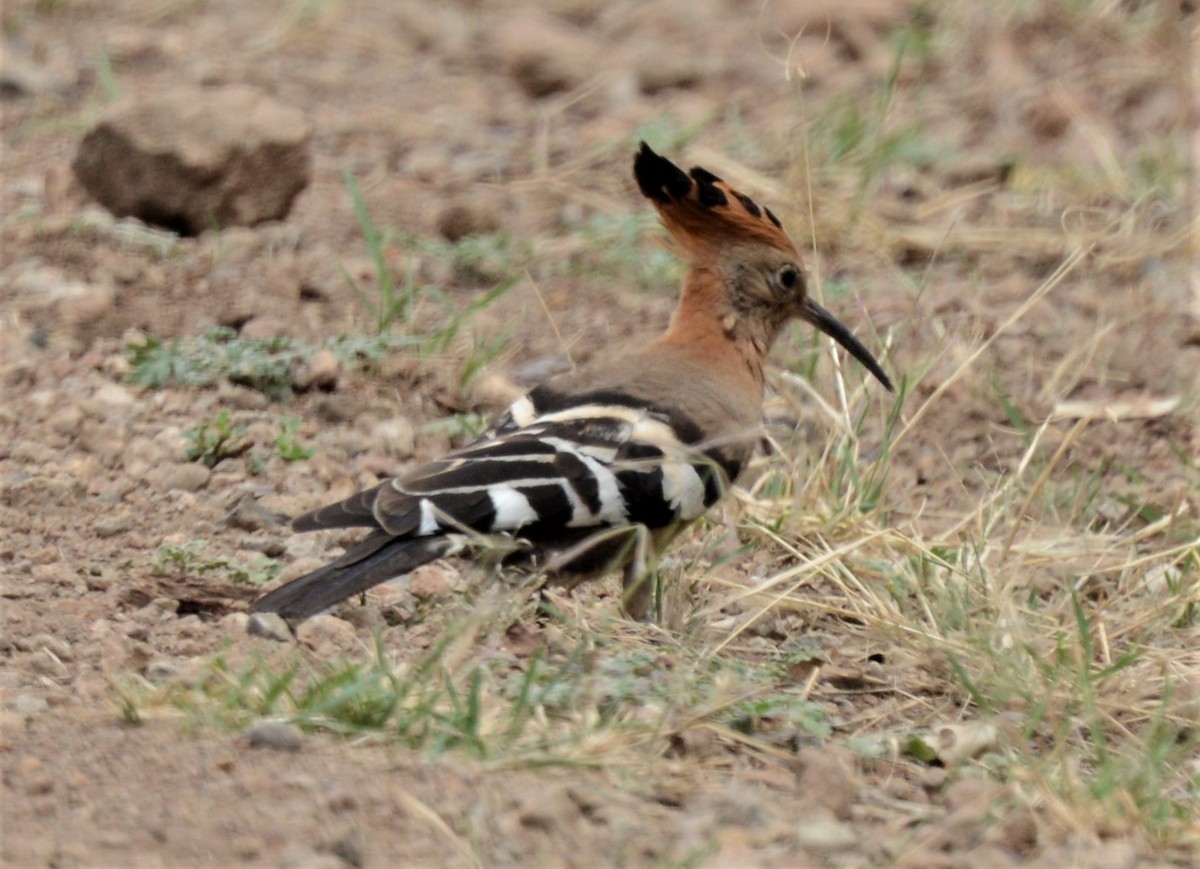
(378, 558)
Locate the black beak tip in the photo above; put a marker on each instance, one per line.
(831, 326)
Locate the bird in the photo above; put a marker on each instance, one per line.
(601, 467)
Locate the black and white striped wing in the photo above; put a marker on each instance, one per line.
(552, 477)
(588, 466)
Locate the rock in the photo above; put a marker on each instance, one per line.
(234, 623)
(327, 634)
(249, 515)
(187, 476)
(66, 420)
(306, 859)
(270, 626)
(549, 809)
(431, 582)
(544, 56)
(28, 704)
(338, 408)
(823, 780)
(40, 492)
(321, 372)
(160, 671)
(193, 159)
(111, 526)
(465, 217)
(657, 72)
(397, 436)
(277, 735)
(348, 847)
(59, 648)
(110, 403)
(45, 663)
(264, 327)
(826, 835)
(22, 74)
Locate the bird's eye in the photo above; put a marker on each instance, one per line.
(788, 277)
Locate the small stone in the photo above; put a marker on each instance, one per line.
(160, 671)
(540, 368)
(321, 372)
(277, 735)
(397, 436)
(544, 56)
(111, 526)
(349, 848)
(28, 704)
(270, 626)
(463, 218)
(111, 401)
(822, 779)
(338, 408)
(185, 476)
(431, 582)
(99, 579)
(327, 633)
(550, 808)
(249, 515)
(40, 491)
(306, 859)
(657, 72)
(826, 835)
(45, 663)
(61, 649)
(66, 420)
(235, 623)
(1113, 855)
(263, 328)
(1018, 832)
(972, 794)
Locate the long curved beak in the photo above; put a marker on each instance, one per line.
(813, 313)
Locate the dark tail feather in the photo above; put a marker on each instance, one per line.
(376, 559)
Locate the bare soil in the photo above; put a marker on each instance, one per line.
(488, 115)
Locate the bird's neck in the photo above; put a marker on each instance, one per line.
(706, 327)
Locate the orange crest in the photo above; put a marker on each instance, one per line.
(703, 213)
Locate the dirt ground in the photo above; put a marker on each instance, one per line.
(936, 186)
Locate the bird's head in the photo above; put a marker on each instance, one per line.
(719, 228)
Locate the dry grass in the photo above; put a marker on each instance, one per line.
(1029, 611)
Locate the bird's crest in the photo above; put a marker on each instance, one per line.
(703, 213)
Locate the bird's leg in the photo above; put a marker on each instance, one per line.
(640, 597)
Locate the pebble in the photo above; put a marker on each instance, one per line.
(321, 372)
(397, 436)
(160, 671)
(544, 56)
(339, 407)
(28, 704)
(45, 663)
(823, 779)
(826, 835)
(305, 859)
(249, 515)
(432, 581)
(61, 649)
(270, 626)
(111, 526)
(277, 735)
(327, 634)
(185, 476)
(110, 401)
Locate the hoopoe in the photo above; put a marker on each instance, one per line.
(603, 466)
